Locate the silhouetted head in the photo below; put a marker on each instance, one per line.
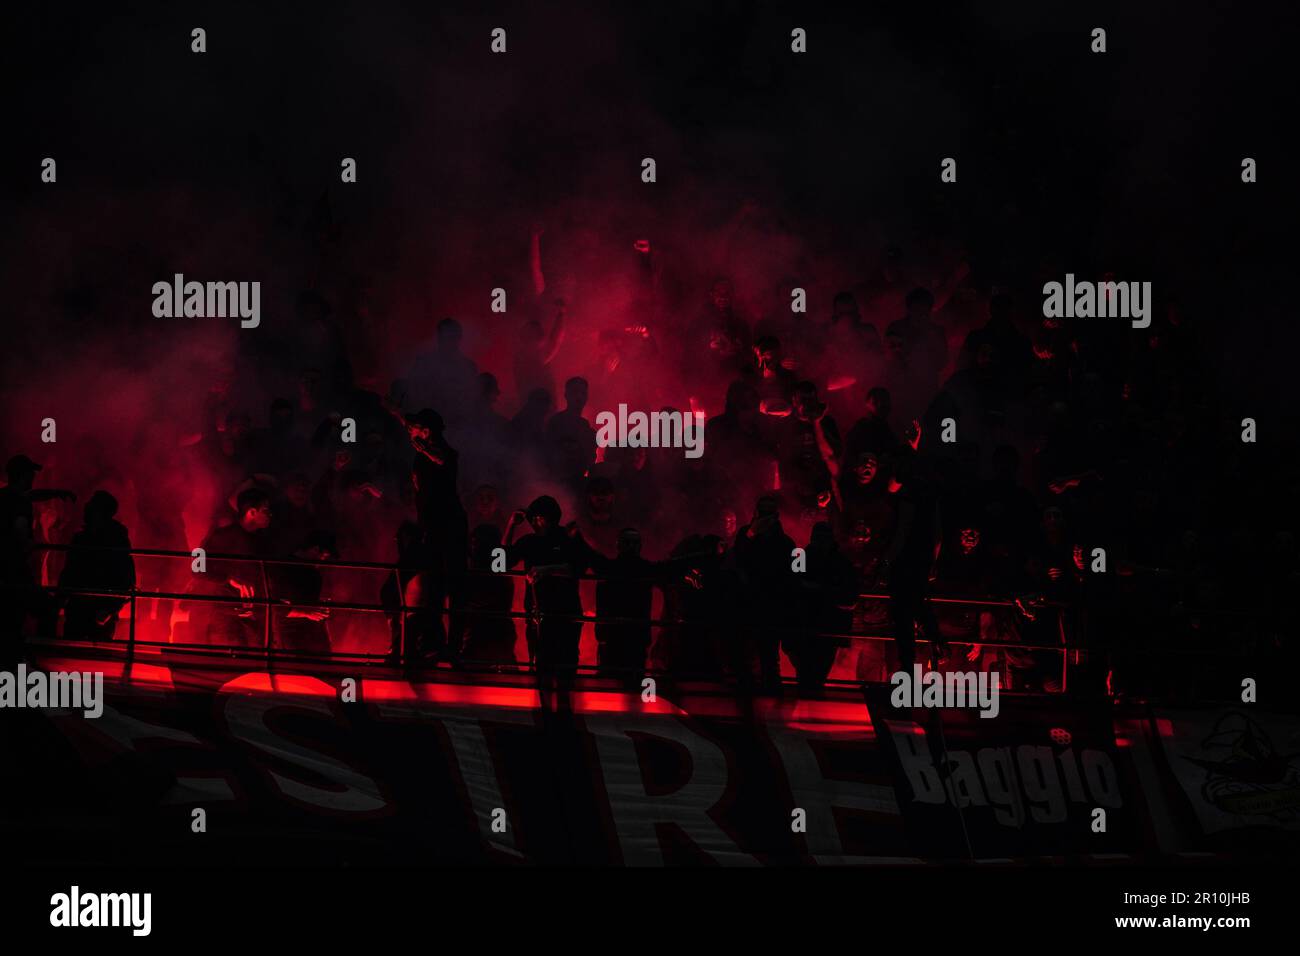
(298, 491)
(730, 523)
(741, 398)
(238, 425)
(544, 514)
(281, 414)
(319, 546)
(486, 499)
(309, 387)
(600, 498)
(865, 468)
(879, 402)
(575, 394)
(805, 402)
(767, 353)
(538, 402)
(101, 507)
(1054, 519)
(844, 308)
(920, 302)
(254, 508)
(1077, 556)
(21, 472)
(629, 543)
(1006, 463)
(449, 335)
(894, 344)
(767, 513)
(426, 423)
(720, 294)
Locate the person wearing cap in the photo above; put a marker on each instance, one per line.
(21, 595)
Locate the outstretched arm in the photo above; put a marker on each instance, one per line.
(946, 289)
(830, 459)
(427, 450)
(49, 494)
(556, 335)
(824, 445)
(517, 518)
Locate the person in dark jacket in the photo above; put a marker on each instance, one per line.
(484, 633)
(625, 593)
(763, 557)
(303, 625)
(829, 589)
(100, 559)
(19, 594)
(555, 558)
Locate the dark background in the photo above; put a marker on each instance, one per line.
(227, 163)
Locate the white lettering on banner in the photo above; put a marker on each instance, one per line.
(821, 796)
(637, 813)
(354, 792)
(1019, 782)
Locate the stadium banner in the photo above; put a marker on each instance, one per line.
(285, 769)
(1237, 767)
(1043, 777)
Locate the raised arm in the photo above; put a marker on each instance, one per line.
(946, 289)
(535, 258)
(49, 494)
(556, 335)
(824, 447)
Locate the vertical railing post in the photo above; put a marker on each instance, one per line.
(130, 634)
(401, 615)
(266, 608)
(1065, 654)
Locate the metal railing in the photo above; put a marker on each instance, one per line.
(267, 603)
